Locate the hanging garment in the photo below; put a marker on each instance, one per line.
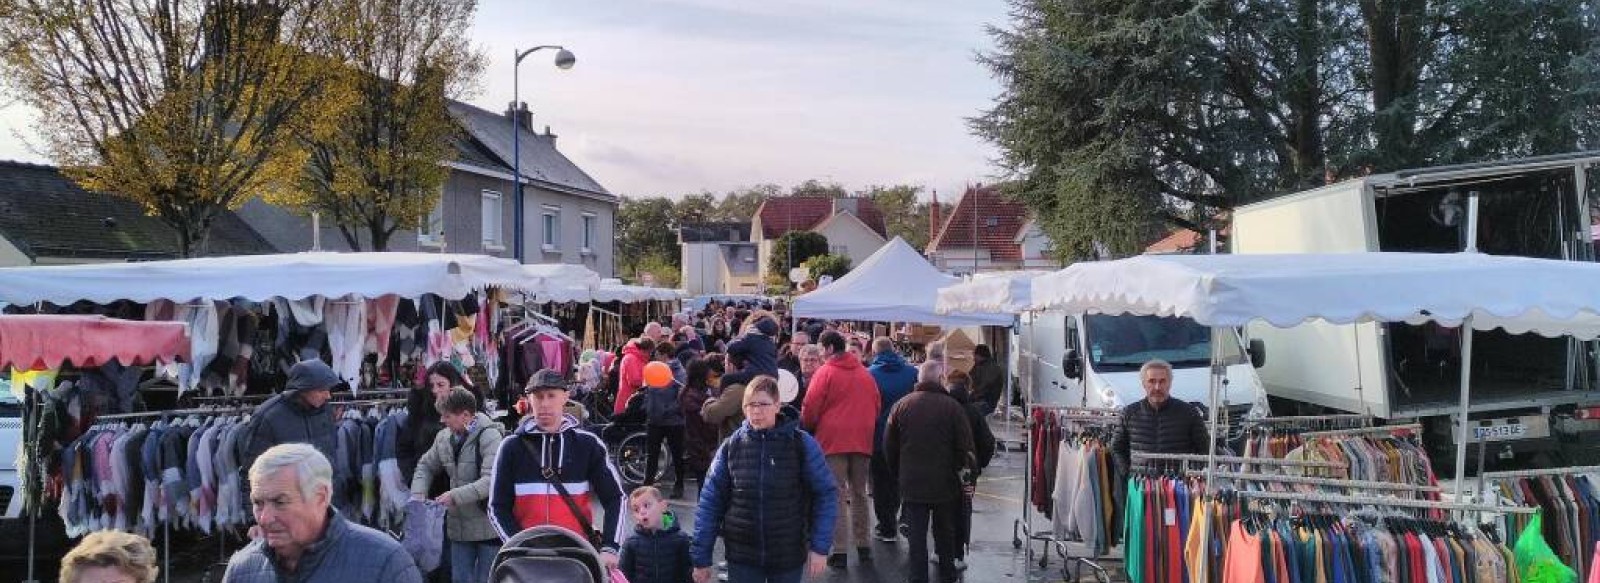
(1242, 563)
(345, 320)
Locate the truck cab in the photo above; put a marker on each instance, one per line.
(1093, 360)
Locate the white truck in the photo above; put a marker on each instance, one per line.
(1093, 361)
(1530, 394)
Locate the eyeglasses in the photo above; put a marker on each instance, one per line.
(759, 405)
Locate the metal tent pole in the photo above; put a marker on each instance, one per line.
(1462, 436)
(1217, 370)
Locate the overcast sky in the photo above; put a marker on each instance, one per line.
(679, 96)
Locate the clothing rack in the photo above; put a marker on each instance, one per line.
(1543, 472)
(1416, 427)
(174, 413)
(1312, 419)
(1022, 531)
(1333, 482)
(1228, 459)
(1389, 502)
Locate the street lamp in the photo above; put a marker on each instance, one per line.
(564, 60)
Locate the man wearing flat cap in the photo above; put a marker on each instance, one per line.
(550, 469)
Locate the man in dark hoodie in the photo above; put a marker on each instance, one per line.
(297, 415)
(895, 378)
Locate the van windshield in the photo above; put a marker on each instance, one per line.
(1126, 342)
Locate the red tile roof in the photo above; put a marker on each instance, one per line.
(999, 219)
(782, 214)
(1181, 241)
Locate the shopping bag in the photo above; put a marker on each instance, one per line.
(1535, 561)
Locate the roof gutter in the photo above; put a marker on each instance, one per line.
(547, 185)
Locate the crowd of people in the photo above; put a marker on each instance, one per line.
(766, 418)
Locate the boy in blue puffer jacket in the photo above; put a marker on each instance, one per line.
(658, 551)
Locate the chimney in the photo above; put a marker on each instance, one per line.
(519, 112)
(933, 217)
(549, 137)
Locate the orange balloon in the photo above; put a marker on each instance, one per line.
(657, 374)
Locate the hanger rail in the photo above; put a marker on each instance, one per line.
(173, 413)
(1335, 482)
(1414, 427)
(1385, 502)
(1227, 459)
(1506, 475)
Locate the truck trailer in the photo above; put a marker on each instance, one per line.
(1530, 394)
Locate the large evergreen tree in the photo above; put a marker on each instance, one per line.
(1119, 119)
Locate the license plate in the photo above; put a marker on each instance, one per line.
(1499, 432)
(1508, 429)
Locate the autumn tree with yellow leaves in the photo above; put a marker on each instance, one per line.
(379, 169)
(187, 107)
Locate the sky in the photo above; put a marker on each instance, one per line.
(671, 97)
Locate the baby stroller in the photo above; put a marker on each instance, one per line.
(547, 554)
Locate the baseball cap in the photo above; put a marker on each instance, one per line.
(545, 379)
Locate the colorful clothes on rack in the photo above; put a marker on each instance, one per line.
(1570, 508)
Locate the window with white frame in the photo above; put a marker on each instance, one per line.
(430, 233)
(493, 220)
(551, 228)
(590, 224)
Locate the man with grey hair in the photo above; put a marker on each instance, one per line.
(1158, 423)
(303, 538)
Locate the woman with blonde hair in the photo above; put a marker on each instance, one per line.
(110, 557)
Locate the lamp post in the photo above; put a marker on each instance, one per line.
(564, 60)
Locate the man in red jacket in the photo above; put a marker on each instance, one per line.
(841, 410)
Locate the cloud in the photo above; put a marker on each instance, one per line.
(679, 96)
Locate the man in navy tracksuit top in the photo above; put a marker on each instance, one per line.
(549, 446)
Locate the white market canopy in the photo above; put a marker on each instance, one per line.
(1519, 294)
(570, 283)
(895, 284)
(1005, 292)
(590, 288)
(262, 277)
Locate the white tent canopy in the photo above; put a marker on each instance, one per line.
(895, 284)
(569, 282)
(594, 289)
(1518, 294)
(1005, 292)
(263, 277)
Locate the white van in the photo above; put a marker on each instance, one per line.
(1094, 360)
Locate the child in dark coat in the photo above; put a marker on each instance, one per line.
(658, 551)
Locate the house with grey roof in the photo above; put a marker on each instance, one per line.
(568, 217)
(47, 219)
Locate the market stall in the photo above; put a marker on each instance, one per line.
(895, 284)
(1519, 295)
(30, 343)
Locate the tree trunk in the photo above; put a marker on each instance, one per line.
(351, 237)
(194, 234)
(1397, 44)
(1305, 97)
(381, 234)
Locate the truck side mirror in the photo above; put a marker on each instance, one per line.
(1258, 353)
(1071, 365)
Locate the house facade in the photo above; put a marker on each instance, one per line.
(567, 216)
(47, 219)
(719, 259)
(853, 225)
(988, 232)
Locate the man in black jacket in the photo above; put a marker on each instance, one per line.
(928, 444)
(1158, 423)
